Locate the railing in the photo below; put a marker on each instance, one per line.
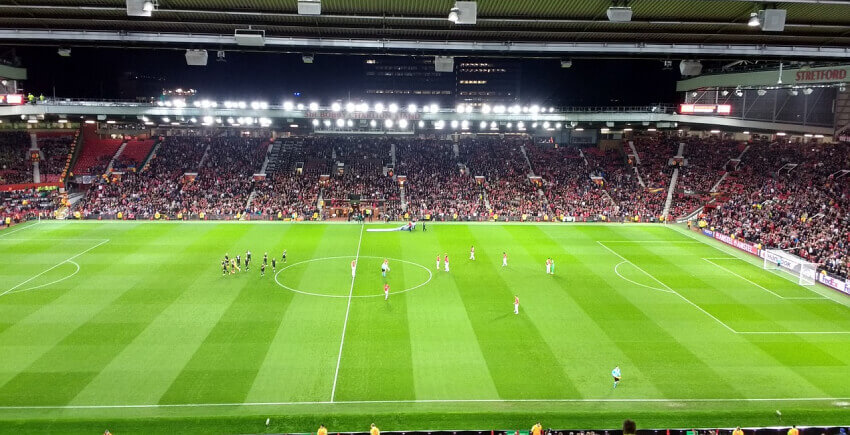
(652, 108)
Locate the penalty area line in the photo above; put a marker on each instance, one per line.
(51, 268)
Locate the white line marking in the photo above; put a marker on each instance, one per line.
(347, 311)
(649, 241)
(39, 239)
(430, 277)
(53, 267)
(634, 282)
(50, 283)
(705, 241)
(758, 285)
(376, 402)
(668, 288)
(7, 232)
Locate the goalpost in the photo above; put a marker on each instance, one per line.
(804, 271)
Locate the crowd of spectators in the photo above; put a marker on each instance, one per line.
(437, 184)
(24, 204)
(804, 209)
(783, 195)
(54, 154)
(15, 165)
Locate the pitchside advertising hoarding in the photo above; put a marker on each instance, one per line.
(823, 278)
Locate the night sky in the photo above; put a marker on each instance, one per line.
(103, 73)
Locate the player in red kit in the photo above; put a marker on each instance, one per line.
(516, 304)
(446, 263)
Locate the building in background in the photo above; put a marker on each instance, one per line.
(491, 81)
(407, 79)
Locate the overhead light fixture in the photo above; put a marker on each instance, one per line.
(690, 67)
(444, 64)
(724, 93)
(808, 91)
(250, 37)
(772, 20)
(453, 14)
(793, 92)
(64, 51)
(308, 58)
(739, 92)
(779, 133)
(219, 56)
(566, 63)
(140, 8)
(196, 57)
(619, 14)
(761, 92)
(754, 20)
(464, 12)
(309, 7)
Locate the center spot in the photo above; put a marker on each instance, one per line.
(331, 277)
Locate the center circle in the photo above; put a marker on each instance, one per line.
(340, 278)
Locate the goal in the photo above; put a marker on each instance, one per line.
(803, 271)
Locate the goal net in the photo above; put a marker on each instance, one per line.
(803, 271)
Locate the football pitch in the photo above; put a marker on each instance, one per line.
(131, 326)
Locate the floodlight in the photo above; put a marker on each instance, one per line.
(287, 105)
(402, 123)
(619, 14)
(485, 108)
(411, 108)
(754, 20)
(393, 108)
(314, 106)
(340, 122)
(336, 107)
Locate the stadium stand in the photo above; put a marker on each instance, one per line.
(15, 166)
(96, 152)
(792, 196)
(133, 155)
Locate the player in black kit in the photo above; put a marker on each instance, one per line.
(274, 264)
(283, 257)
(263, 269)
(224, 267)
(265, 258)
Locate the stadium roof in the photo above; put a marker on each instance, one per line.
(704, 28)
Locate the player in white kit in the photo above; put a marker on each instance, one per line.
(446, 263)
(472, 252)
(353, 268)
(385, 267)
(438, 261)
(516, 304)
(504, 259)
(548, 266)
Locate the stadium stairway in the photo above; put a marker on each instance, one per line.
(637, 173)
(527, 162)
(204, 157)
(115, 156)
(93, 148)
(634, 151)
(145, 164)
(136, 151)
(669, 201)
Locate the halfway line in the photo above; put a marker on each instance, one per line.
(347, 310)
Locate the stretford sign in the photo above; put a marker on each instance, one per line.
(822, 75)
(706, 109)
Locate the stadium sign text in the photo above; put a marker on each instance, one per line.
(822, 75)
(363, 115)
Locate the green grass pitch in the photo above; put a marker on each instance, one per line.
(131, 326)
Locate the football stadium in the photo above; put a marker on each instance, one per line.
(464, 217)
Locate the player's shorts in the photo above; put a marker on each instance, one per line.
(616, 379)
